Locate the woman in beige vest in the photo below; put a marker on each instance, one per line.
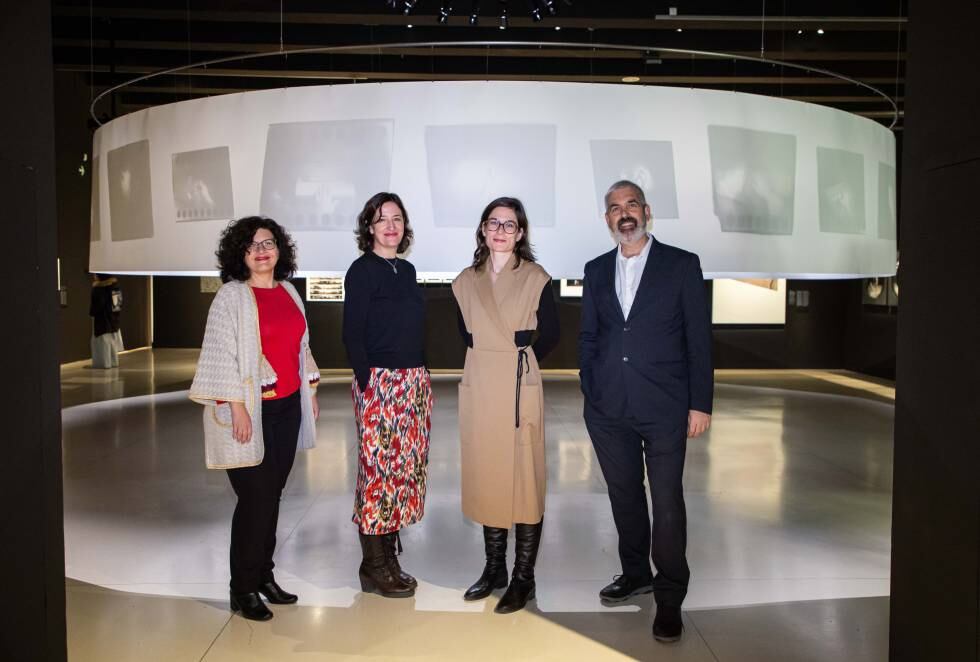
(503, 298)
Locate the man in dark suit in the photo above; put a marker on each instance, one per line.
(645, 367)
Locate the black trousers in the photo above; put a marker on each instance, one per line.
(259, 488)
(623, 447)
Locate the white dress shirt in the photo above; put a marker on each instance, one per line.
(628, 273)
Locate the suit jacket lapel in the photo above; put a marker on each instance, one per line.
(645, 291)
(607, 286)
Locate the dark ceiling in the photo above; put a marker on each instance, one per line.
(111, 41)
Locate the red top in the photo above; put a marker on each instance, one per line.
(281, 328)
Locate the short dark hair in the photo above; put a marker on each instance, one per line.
(234, 243)
(522, 249)
(365, 240)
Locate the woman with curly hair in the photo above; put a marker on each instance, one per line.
(504, 298)
(257, 381)
(384, 332)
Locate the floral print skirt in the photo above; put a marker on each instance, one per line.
(393, 421)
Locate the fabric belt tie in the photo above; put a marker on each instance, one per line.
(523, 363)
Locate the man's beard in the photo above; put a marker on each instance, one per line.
(629, 236)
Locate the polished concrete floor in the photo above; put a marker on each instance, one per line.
(789, 506)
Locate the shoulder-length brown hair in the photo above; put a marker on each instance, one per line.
(522, 249)
(365, 240)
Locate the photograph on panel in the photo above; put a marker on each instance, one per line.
(470, 164)
(840, 182)
(317, 175)
(202, 185)
(648, 163)
(130, 202)
(753, 178)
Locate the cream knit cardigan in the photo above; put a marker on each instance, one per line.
(231, 368)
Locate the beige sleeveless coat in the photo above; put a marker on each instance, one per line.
(503, 471)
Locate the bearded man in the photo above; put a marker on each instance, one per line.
(645, 369)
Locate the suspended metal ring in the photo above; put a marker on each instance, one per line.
(490, 44)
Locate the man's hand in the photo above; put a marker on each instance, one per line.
(241, 423)
(697, 423)
(316, 407)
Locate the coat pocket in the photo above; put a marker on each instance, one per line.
(221, 414)
(531, 429)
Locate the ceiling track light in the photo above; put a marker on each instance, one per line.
(549, 6)
(538, 10)
(534, 10)
(444, 11)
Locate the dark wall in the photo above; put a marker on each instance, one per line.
(31, 523)
(935, 593)
(73, 140)
(870, 343)
(824, 335)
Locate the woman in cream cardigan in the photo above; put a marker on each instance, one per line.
(257, 381)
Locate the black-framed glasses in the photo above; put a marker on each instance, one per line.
(264, 245)
(509, 227)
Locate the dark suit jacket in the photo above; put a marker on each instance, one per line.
(656, 365)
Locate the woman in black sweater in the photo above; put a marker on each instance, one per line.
(384, 332)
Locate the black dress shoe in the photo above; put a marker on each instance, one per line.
(275, 595)
(623, 587)
(251, 606)
(668, 626)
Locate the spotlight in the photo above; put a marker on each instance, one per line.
(503, 15)
(475, 12)
(549, 6)
(444, 11)
(392, 4)
(535, 11)
(820, 31)
(409, 6)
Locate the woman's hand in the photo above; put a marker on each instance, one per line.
(241, 423)
(316, 407)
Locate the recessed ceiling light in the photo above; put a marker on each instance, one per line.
(680, 29)
(558, 27)
(631, 79)
(820, 31)
(410, 25)
(799, 32)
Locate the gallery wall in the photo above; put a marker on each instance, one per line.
(835, 330)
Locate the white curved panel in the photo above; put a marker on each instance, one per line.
(757, 186)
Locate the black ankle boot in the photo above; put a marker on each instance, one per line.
(495, 572)
(521, 587)
(251, 606)
(393, 547)
(375, 574)
(274, 593)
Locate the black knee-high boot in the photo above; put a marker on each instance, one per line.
(521, 587)
(495, 572)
